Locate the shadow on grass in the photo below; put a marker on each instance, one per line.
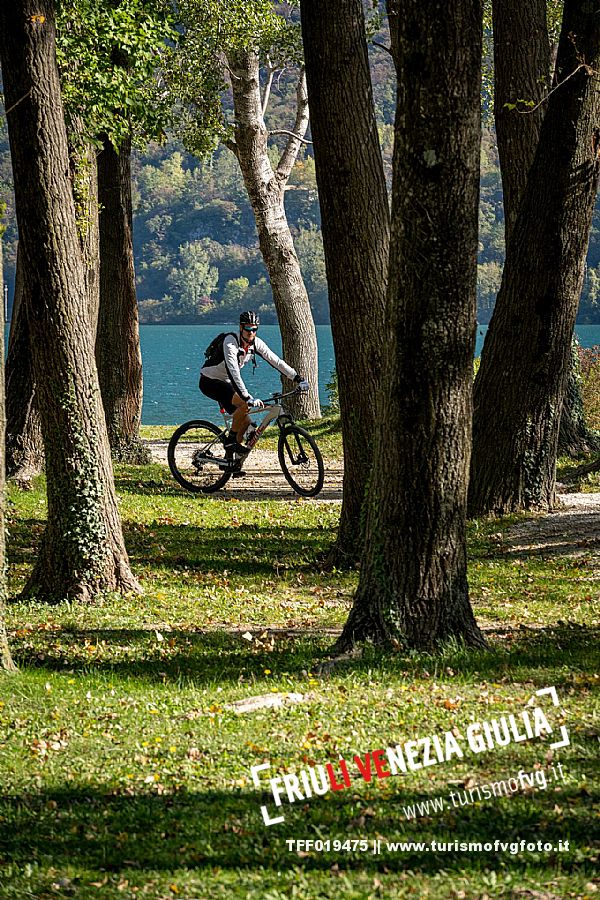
(201, 658)
(258, 550)
(551, 656)
(95, 830)
(238, 549)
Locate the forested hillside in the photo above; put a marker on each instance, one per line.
(196, 250)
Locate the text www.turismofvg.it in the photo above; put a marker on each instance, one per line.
(538, 779)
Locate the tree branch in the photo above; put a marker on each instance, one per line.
(383, 47)
(231, 145)
(20, 100)
(267, 92)
(527, 112)
(292, 134)
(290, 153)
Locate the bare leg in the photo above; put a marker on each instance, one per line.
(241, 419)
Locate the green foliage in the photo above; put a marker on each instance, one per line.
(333, 394)
(489, 276)
(589, 361)
(235, 292)
(108, 54)
(309, 246)
(195, 70)
(554, 12)
(193, 279)
(178, 200)
(592, 283)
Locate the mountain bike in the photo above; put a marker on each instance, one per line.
(200, 462)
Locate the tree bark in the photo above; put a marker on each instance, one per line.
(266, 189)
(6, 663)
(82, 551)
(355, 224)
(413, 582)
(24, 448)
(521, 72)
(84, 175)
(523, 61)
(521, 380)
(118, 353)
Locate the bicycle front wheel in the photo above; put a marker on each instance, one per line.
(196, 457)
(301, 461)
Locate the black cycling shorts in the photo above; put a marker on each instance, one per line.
(220, 391)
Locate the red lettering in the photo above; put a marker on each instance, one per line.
(335, 785)
(364, 768)
(344, 769)
(382, 772)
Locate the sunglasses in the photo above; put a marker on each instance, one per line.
(249, 328)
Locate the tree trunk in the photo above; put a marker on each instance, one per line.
(6, 663)
(118, 353)
(82, 551)
(521, 72)
(84, 175)
(413, 582)
(24, 448)
(521, 381)
(266, 189)
(355, 224)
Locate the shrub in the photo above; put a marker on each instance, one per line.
(589, 361)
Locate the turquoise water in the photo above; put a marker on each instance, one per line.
(172, 355)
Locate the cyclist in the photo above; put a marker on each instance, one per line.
(221, 379)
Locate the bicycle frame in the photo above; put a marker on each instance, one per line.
(273, 411)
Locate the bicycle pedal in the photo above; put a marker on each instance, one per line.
(239, 474)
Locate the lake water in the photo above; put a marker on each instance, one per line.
(172, 355)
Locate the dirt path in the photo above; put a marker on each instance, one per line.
(263, 479)
(571, 530)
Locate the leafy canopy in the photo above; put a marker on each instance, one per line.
(195, 70)
(108, 55)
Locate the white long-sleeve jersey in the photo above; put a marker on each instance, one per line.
(235, 357)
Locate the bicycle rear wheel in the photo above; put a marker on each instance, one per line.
(301, 461)
(196, 457)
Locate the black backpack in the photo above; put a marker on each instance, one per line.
(214, 356)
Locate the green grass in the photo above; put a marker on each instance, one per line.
(125, 773)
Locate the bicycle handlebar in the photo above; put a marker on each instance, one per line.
(276, 397)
